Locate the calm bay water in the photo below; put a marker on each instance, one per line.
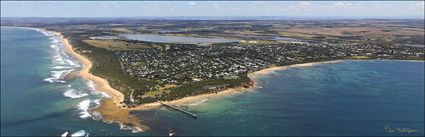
(345, 98)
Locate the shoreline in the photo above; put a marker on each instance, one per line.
(100, 84)
(253, 76)
(113, 113)
(111, 108)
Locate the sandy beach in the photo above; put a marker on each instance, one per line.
(100, 83)
(117, 97)
(112, 110)
(256, 74)
(253, 76)
(191, 99)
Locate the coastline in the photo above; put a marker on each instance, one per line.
(253, 76)
(101, 84)
(282, 98)
(111, 108)
(117, 97)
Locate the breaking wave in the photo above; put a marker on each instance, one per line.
(81, 133)
(85, 107)
(57, 76)
(72, 93)
(62, 63)
(133, 129)
(93, 90)
(198, 102)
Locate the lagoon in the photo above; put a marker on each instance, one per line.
(176, 39)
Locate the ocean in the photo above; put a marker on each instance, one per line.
(353, 97)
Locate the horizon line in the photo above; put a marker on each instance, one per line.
(230, 17)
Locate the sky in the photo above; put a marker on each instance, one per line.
(344, 9)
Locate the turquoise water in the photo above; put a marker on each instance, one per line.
(345, 98)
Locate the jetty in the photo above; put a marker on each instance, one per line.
(181, 110)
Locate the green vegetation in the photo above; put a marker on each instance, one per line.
(115, 45)
(147, 71)
(107, 65)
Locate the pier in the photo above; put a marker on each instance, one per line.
(181, 110)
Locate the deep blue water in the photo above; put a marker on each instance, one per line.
(345, 98)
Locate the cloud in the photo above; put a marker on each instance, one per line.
(342, 4)
(236, 8)
(300, 6)
(304, 3)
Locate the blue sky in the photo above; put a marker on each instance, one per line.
(346, 9)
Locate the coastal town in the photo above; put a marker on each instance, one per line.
(150, 71)
(212, 68)
(190, 63)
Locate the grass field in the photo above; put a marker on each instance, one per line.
(115, 45)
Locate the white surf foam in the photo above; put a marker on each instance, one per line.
(133, 129)
(61, 57)
(61, 67)
(64, 134)
(87, 105)
(62, 63)
(80, 133)
(103, 94)
(58, 75)
(198, 102)
(90, 85)
(96, 115)
(44, 32)
(84, 107)
(55, 41)
(51, 80)
(72, 62)
(72, 93)
(96, 102)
